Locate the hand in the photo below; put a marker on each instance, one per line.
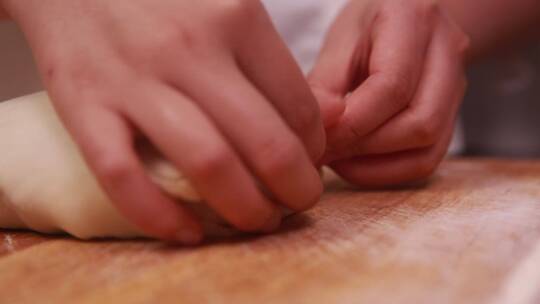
(209, 83)
(389, 80)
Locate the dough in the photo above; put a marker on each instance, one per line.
(46, 186)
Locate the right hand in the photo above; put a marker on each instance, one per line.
(209, 83)
(390, 79)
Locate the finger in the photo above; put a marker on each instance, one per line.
(339, 65)
(266, 144)
(269, 65)
(395, 168)
(400, 42)
(435, 105)
(106, 142)
(190, 141)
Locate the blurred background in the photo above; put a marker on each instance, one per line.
(18, 75)
(501, 111)
(500, 114)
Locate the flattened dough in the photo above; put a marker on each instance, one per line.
(46, 186)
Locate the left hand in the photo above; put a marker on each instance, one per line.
(389, 80)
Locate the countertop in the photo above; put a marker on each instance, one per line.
(470, 235)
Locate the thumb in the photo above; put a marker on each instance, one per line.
(337, 69)
(331, 105)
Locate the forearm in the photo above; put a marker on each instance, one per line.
(494, 24)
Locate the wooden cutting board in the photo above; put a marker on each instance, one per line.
(472, 235)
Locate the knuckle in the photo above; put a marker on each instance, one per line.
(463, 44)
(430, 12)
(278, 156)
(428, 8)
(423, 9)
(112, 169)
(170, 38)
(173, 36)
(174, 41)
(461, 41)
(81, 77)
(212, 162)
(399, 88)
(234, 10)
(357, 129)
(424, 131)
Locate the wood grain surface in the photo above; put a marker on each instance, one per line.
(471, 235)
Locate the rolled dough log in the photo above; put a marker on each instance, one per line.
(46, 186)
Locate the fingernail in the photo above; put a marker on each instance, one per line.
(188, 237)
(273, 223)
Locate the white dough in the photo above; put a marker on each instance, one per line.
(46, 186)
